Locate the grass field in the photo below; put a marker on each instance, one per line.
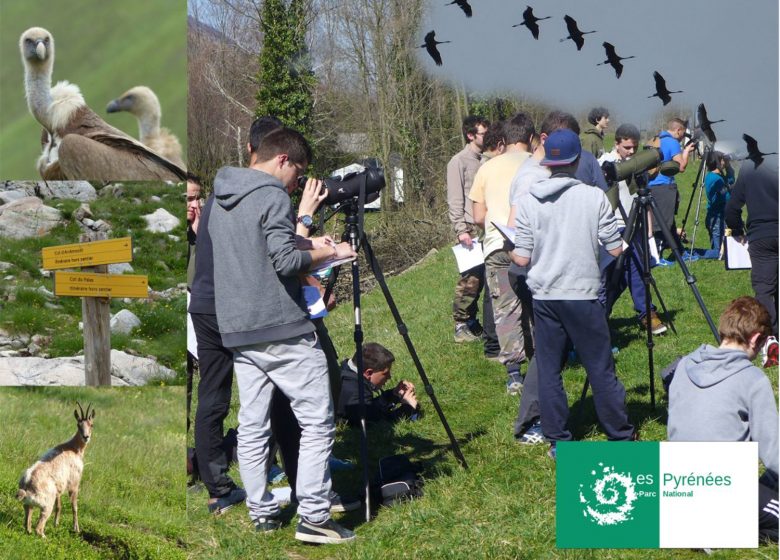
(162, 332)
(504, 505)
(103, 47)
(131, 501)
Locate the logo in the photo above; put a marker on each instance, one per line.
(609, 500)
(656, 495)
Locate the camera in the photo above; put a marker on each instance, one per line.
(345, 187)
(647, 159)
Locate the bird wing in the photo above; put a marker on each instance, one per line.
(618, 66)
(752, 144)
(528, 13)
(466, 7)
(571, 25)
(701, 114)
(660, 83)
(85, 122)
(112, 159)
(430, 37)
(434, 52)
(610, 48)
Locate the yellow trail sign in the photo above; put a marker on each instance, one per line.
(109, 251)
(85, 284)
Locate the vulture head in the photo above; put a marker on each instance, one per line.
(37, 46)
(140, 101)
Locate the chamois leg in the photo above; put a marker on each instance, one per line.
(28, 518)
(74, 496)
(57, 510)
(41, 526)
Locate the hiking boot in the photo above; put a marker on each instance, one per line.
(463, 334)
(341, 505)
(224, 503)
(769, 352)
(532, 435)
(326, 532)
(656, 325)
(514, 383)
(475, 327)
(266, 524)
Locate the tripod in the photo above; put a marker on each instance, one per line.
(354, 233)
(698, 183)
(637, 224)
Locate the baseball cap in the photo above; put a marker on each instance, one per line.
(561, 148)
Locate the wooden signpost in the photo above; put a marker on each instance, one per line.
(95, 286)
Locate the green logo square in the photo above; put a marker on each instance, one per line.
(607, 494)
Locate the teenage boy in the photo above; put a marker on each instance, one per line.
(389, 405)
(263, 319)
(461, 170)
(717, 394)
(626, 144)
(593, 137)
(560, 223)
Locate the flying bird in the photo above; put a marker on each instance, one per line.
(529, 20)
(142, 102)
(706, 124)
(754, 154)
(430, 46)
(574, 33)
(76, 142)
(464, 5)
(613, 59)
(661, 91)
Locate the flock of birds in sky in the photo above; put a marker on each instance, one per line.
(662, 92)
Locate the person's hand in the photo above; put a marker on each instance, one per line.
(321, 242)
(344, 250)
(311, 197)
(689, 148)
(193, 216)
(465, 240)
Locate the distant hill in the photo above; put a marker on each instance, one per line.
(120, 45)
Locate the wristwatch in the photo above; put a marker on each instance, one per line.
(306, 221)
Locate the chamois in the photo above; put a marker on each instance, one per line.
(58, 470)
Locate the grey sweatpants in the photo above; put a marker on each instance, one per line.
(297, 367)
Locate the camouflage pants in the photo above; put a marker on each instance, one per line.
(508, 311)
(465, 304)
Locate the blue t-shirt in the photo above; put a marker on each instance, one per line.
(669, 148)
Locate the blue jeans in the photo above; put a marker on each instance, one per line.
(715, 227)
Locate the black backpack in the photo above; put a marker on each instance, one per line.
(398, 480)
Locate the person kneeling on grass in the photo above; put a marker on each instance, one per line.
(717, 394)
(391, 405)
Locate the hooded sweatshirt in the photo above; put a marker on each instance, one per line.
(717, 394)
(560, 222)
(256, 263)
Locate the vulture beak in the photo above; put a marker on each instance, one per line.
(40, 50)
(113, 107)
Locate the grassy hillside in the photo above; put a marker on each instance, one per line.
(504, 505)
(162, 332)
(105, 48)
(131, 502)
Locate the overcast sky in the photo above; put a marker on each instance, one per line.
(723, 53)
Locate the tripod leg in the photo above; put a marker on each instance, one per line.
(646, 277)
(689, 278)
(695, 184)
(358, 336)
(404, 332)
(696, 221)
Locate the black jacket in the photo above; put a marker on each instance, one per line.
(380, 405)
(756, 187)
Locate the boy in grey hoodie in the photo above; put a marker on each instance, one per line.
(560, 223)
(263, 319)
(717, 394)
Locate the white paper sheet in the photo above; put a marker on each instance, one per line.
(468, 258)
(737, 256)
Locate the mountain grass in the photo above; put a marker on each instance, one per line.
(162, 332)
(503, 506)
(103, 47)
(131, 501)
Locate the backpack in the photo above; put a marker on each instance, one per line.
(398, 480)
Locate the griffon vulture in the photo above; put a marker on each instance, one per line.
(143, 103)
(77, 143)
